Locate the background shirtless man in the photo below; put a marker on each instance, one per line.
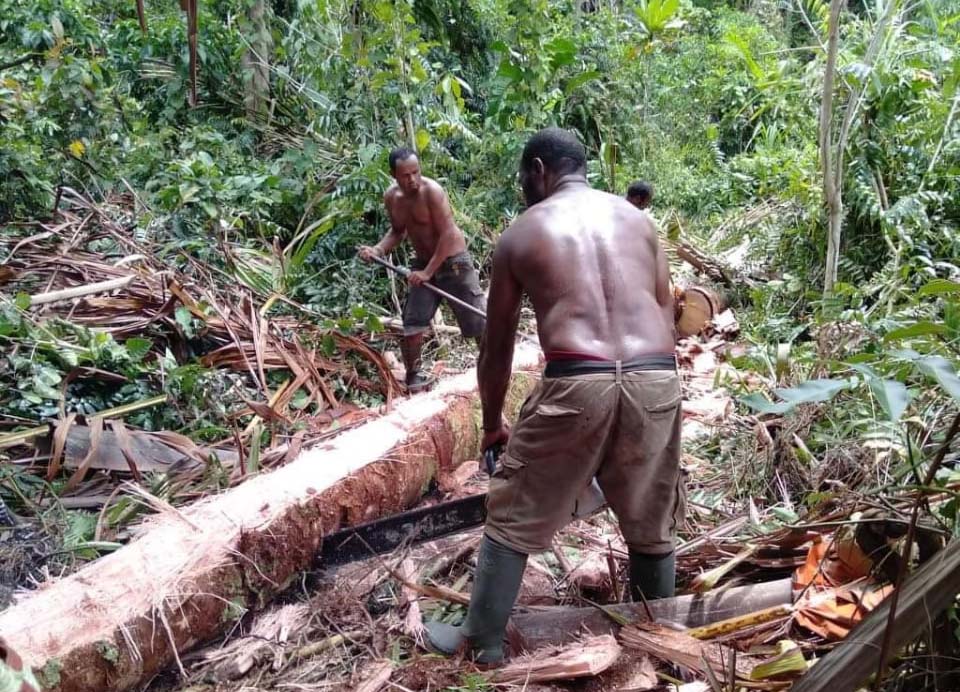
(419, 209)
(609, 402)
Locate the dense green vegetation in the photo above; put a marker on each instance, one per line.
(282, 159)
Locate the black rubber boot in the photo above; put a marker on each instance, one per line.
(410, 348)
(654, 576)
(495, 588)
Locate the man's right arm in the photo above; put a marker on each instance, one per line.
(664, 286)
(496, 353)
(389, 241)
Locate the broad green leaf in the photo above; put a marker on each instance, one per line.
(373, 324)
(943, 372)
(892, 396)
(581, 79)
(185, 320)
(510, 71)
(22, 301)
(813, 391)
(137, 348)
(939, 287)
(914, 330)
(758, 403)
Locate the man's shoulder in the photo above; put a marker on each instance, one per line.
(393, 192)
(434, 188)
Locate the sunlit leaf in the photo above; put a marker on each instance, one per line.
(915, 330)
(943, 372)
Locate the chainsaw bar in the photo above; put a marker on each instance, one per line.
(407, 528)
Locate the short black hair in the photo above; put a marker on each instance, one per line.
(400, 154)
(641, 189)
(560, 151)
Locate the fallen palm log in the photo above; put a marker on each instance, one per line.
(192, 574)
(559, 625)
(927, 592)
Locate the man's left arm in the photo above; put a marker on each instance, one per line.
(447, 233)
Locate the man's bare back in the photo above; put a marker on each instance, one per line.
(593, 269)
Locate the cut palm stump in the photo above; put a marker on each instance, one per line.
(191, 574)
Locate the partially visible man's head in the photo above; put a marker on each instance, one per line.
(640, 194)
(548, 155)
(405, 167)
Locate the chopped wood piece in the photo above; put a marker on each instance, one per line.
(587, 658)
(680, 648)
(270, 629)
(699, 307)
(375, 677)
(78, 291)
(592, 574)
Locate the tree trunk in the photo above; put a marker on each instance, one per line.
(194, 572)
(256, 63)
(831, 181)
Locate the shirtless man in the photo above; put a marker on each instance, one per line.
(640, 194)
(609, 402)
(419, 209)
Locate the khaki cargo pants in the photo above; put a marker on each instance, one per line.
(625, 430)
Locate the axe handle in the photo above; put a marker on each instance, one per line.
(404, 272)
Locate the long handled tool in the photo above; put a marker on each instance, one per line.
(405, 273)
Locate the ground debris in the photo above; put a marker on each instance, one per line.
(589, 657)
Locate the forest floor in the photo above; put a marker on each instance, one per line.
(358, 626)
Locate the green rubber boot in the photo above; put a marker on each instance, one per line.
(654, 576)
(495, 588)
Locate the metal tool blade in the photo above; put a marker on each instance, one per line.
(407, 528)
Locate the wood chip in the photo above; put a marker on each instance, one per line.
(375, 677)
(587, 658)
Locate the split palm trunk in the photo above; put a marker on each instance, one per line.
(192, 573)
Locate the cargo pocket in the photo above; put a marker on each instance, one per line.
(508, 467)
(503, 491)
(680, 502)
(660, 421)
(557, 410)
(664, 410)
(546, 428)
